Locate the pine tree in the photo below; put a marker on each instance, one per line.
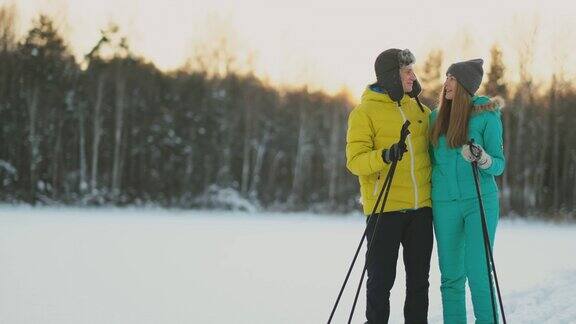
(495, 85)
(47, 64)
(431, 77)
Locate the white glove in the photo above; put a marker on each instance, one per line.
(475, 153)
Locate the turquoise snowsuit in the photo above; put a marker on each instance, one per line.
(457, 222)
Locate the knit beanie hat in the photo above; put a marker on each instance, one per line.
(468, 74)
(387, 67)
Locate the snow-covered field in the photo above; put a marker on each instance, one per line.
(71, 266)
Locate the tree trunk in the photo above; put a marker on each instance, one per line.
(299, 162)
(97, 134)
(258, 161)
(556, 164)
(57, 153)
(333, 158)
(188, 171)
(506, 188)
(571, 184)
(82, 147)
(272, 185)
(566, 184)
(520, 170)
(116, 168)
(34, 142)
(246, 150)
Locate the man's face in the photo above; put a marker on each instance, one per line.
(408, 77)
(449, 87)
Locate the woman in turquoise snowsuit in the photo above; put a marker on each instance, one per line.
(463, 116)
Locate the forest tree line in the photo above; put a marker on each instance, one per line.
(113, 129)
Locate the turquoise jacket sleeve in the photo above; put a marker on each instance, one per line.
(494, 144)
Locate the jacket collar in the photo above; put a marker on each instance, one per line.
(370, 94)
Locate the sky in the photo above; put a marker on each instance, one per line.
(324, 44)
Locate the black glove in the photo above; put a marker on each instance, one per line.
(394, 153)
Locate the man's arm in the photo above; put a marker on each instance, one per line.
(361, 157)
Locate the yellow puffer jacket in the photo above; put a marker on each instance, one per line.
(375, 125)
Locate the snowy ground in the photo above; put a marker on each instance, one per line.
(71, 266)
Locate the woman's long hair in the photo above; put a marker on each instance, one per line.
(453, 116)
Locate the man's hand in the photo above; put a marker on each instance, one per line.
(394, 153)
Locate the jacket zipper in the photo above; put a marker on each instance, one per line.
(410, 149)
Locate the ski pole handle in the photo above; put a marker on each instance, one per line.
(404, 132)
(474, 149)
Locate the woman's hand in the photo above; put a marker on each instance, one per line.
(475, 153)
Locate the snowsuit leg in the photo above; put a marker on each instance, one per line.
(449, 233)
(458, 230)
(476, 267)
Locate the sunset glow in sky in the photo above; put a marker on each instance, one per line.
(326, 44)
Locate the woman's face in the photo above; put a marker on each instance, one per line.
(449, 87)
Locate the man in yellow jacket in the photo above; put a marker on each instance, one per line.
(372, 144)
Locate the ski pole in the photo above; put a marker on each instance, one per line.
(487, 244)
(388, 179)
(387, 184)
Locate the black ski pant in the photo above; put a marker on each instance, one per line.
(412, 229)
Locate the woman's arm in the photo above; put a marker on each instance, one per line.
(494, 145)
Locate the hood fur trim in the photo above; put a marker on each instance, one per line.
(495, 103)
